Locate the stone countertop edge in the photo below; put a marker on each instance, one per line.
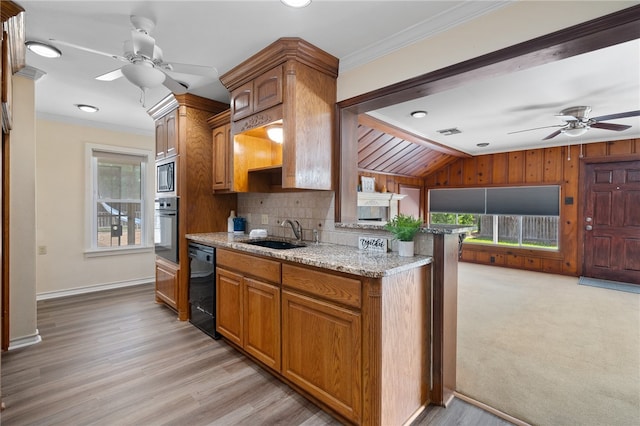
(334, 257)
(426, 229)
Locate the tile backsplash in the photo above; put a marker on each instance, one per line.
(314, 210)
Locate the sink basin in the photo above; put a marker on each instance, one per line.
(275, 244)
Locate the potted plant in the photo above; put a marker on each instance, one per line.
(404, 228)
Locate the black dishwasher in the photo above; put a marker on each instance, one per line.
(202, 288)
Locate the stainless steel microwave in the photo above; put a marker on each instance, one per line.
(166, 177)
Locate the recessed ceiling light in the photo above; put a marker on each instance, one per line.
(296, 3)
(43, 49)
(419, 114)
(482, 145)
(87, 108)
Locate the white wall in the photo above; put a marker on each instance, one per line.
(512, 24)
(60, 206)
(22, 216)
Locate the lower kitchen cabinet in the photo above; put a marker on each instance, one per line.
(167, 279)
(248, 306)
(321, 351)
(262, 322)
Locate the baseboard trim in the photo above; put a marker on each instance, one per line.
(91, 289)
(24, 341)
(491, 410)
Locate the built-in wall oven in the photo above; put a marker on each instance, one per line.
(166, 228)
(202, 288)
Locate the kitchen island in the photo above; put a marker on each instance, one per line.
(348, 329)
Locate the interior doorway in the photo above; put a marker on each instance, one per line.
(611, 222)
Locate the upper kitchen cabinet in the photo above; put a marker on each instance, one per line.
(167, 135)
(221, 128)
(291, 85)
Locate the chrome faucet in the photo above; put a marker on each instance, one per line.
(295, 227)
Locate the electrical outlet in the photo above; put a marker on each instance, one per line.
(42, 249)
(265, 219)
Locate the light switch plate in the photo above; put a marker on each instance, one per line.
(265, 219)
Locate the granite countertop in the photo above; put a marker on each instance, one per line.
(328, 256)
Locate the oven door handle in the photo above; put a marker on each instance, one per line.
(167, 214)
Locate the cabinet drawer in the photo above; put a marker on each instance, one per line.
(346, 291)
(249, 265)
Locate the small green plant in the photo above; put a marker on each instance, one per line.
(404, 227)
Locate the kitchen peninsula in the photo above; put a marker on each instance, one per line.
(348, 329)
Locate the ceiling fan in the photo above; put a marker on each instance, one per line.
(578, 122)
(145, 66)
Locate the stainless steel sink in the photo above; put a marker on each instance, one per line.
(276, 244)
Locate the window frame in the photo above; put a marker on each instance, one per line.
(91, 222)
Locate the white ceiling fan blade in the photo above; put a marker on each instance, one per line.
(174, 86)
(111, 75)
(143, 44)
(193, 69)
(86, 49)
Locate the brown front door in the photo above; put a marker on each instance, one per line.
(612, 221)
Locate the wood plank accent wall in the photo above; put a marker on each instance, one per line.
(533, 167)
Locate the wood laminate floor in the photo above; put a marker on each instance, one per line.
(118, 358)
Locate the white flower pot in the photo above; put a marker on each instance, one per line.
(405, 248)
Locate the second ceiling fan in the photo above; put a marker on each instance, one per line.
(578, 122)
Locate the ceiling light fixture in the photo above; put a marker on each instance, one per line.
(275, 133)
(482, 144)
(43, 49)
(296, 3)
(575, 131)
(419, 114)
(87, 108)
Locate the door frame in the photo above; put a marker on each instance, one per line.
(582, 196)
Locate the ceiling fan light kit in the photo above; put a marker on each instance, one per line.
(296, 3)
(43, 49)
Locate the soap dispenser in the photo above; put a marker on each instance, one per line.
(232, 215)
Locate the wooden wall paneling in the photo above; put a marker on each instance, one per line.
(515, 167)
(499, 169)
(533, 263)
(514, 261)
(595, 149)
(620, 147)
(469, 171)
(553, 266)
(468, 255)
(534, 166)
(442, 177)
(569, 213)
(455, 173)
(552, 165)
(484, 164)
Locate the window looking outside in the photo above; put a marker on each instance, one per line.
(117, 204)
(527, 217)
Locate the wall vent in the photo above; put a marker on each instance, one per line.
(449, 132)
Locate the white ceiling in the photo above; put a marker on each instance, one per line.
(222, 34)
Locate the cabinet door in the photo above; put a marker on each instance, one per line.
(321, 352)
(171, 125)
(262, 322)
(229, 305)
(167, 284)
(241, 102)
(267, 89)
(161, 138)
(221, 150)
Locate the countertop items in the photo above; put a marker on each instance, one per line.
(329, 256)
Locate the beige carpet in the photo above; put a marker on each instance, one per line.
(546, 350)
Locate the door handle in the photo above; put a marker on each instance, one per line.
(588, 227)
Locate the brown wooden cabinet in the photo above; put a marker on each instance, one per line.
(167, 282)
(221, 162)
(167, 135)
(357, 346)
(182, 121)
(248, 304)
(292, 83)
(321, 351)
